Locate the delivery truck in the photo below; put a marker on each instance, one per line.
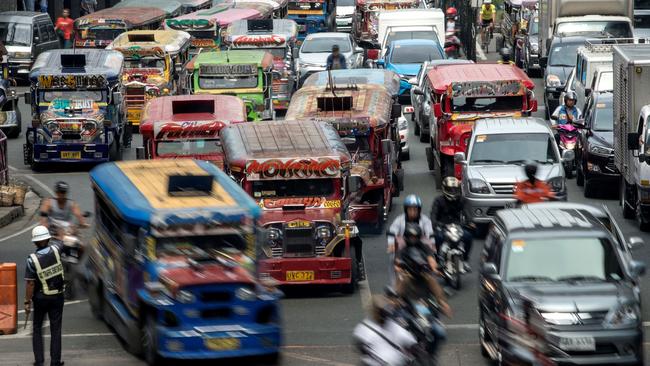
(411, 24)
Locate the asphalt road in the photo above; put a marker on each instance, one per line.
(317, 325)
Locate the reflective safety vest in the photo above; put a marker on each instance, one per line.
(49, 270)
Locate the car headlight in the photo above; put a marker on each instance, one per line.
(403, 124)
(185, 297)
(622, 315)
(245, 294)
(556, 184)
(600, 150)
(21, 55)
(534, 47)
(478, 186)
(553, 80)
(323, 232)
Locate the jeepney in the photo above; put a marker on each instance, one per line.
(297, 173)
(171, 8)
(99, 29)
(458, 95)
(312, 16)
(188, 126)
(265, 8)
(280, 7)
(361, 114)
(365, 23)
(190, 6)
(277, 37)
(247, 74)
(77, 108)
(172, 264)
(154, 65)
(205, 26)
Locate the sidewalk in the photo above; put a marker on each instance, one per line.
(12, 214)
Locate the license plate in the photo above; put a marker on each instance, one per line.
(222, 344)
(72, 155)
(578, 343)
(300, 275)
(133, 115)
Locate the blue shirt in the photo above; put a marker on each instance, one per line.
(562, 111)
(333, 64)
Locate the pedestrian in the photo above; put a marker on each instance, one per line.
(45, 286)
(336, 61)
(64, 28)
(28, 5)
(88, 6)
(43, 6)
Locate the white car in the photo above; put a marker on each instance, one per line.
(314, 51)
(403, 126)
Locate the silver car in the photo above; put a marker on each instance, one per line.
(344, 15)
(496, 154)
(318, 46)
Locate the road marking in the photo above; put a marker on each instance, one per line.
(18, 233)
(479, 51)
(66, 303)
(314, 359)
(13, 168)
(364, 288)
(40, 184)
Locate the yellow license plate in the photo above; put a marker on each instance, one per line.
(222, 344)
(133, 115)
(300, 275)
(71, 155)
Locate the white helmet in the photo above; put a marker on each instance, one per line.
(487, 2)
(40, 233)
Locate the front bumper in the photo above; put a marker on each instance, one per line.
(601, 168)
(613, 347)
(63, 152)
(20, 67)
(481, 210)
(325, 270)
(533, 61)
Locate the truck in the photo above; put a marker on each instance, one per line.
(612, 18)
(631, 118)
(410, 24)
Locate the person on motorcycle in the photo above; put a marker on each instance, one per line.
(412, 214)
(532, 190)
(453, 45)
(60, 208)
(446, 210)
(451, 14)
(566, 113)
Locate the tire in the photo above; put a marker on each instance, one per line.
(424, 137)
(568, 171)
(455, 281)
(115, 151)
(149, 342)
(406, 155)
(481, 337)
(643, 226)
(14, 132)
(628, 212)
(416, 129)
(272, 359)
(96, 304)
(438, 174)
(589, 189)
(430, 159)
(350, 288)
(580, 176)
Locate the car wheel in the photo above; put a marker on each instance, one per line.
(643, 225)
(424, 137)
(406, 155)
(482, 335)
(416, 129)
(149, 342)
(589, 189)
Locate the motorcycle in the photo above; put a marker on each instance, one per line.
(419, 316)
(568, 141)
(452, 45)
(69, 236)
(450, 255)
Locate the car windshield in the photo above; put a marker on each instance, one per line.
(506, 148)
(399, 35)
(199, 246)
(614, 29)
(188, 147)
(465, 104)
(227, 82)
(293, 188)
(564, 55)
(604, 116)
(94, 95)
(324, 45)
(554, 259)
(145, 63)
(15, 34)
(415, 54)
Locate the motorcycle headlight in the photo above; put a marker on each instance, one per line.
(323, 232)
(185, 297)
(622, 315)
(534, 47)
(245, 294)
(600, 150)
(478, 186)
(557, 184)
(553, 80)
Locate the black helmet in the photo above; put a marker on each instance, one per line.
(451, 188)
(412, 233)
(531, 170)
(570, 95)
(505, 53)
(61, 187)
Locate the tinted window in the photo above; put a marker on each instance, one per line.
(188, 147)
(641, 4)
(641, 21)
(604, 116)
(396, 36)
(44, 34)
(463, 104)
(415, 54)
(512, 148)
(293, 188)
(612, 29)
(563, 55)
(227, 82)
(321, 45)
(16, 34)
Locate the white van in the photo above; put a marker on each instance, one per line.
(411, 24)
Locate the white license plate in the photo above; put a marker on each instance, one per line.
(578, 343)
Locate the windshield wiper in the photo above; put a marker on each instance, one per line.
(518, 161)
(531, 278)
(489, 161)
(562, 65)
(549, 161)
(575, 278)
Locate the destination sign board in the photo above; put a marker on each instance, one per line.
(245, 69)
(71, 81)
(187, 130)
(486, 89)
(300, 168)
(259, 41)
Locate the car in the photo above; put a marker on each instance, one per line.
(404, 130)
(344, 15)
(558, 65)
(420, 109)
(595, 154)
(405, 58)
(557, 271)
(531, 46)
(496, 154)
(314, 51)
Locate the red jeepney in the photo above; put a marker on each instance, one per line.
(188, 126)
(461, 94)
(361, 114)
(297, 171)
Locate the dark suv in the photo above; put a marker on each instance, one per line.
(595, 157)
(554, 278)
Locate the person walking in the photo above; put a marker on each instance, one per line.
(336, 61)
(43, 6)
(28, 5)
(64, 27)
(45, 286)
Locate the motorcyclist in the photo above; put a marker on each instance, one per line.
(451, 14)
(446, 210)
(412, 213)
(532, 190)
(568, 112)
(60, 208)
(451, 40)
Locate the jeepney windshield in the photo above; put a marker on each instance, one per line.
(145, 63)
(614, 29)
(15, 34)
(203, 34)
(228, 81)
(188, 147)
(293, 188)
(278, 52)
(199, 246)
(101, 32)
(302, 6)
(94, 95)
(359, 147)
(494, 104)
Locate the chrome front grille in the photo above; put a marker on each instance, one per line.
(135, 96)
(276, 252)
(298, 243)
(610, 165)
(503, 188)
(320, 250)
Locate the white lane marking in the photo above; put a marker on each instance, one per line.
(13, 168)
(364, 288)
(21, 232)
(46, 335)
(40, 184)
(475, 326)
(66, 303)
(314, 359)
(479, 51)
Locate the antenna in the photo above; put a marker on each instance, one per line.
(330, 82)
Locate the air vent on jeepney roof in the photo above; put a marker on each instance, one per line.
(260, 25)
(331, 104)
(75, 61)
(147, 37)
(193, 106)
(190, 185)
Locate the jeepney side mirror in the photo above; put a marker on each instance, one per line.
(633, 141)
(139, 153)
(417, 90)
(358, 50)
(437, 110)
(386, 144)
(28, 97)
(117, 98)
(459, 157)
(543, 61)
(587, 93)
(354, 183)
(396, 111)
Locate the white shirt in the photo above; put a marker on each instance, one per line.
(385, 344)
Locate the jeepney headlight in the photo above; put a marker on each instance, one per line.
(534, 47)
(245, 294)
(553, 80)
(274, 237)
(323, 232)
(185, 297)
(89, 126)
(153, 91)
(52, 126)
(20, 55)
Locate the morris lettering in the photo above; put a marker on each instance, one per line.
(190, 129)
(294, 168)
(280, 202)
(259, 41)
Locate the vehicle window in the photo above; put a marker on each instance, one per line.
(203, 34)
(553, 259)
(465, 104)
(604, 116)
(359, 147)
(513, 148)
(345, 3)
(101, 33)
(415, 54)
(613, 29)
(94, 95)
(199, 247)
(276, 52)
(51, 33)
(188, 147)
(606, 81)
(227, 81)
(396, 36)
(108, 220)
(44, 34)
(15, 34)
(642, 4)
(641, 21)
(322, 45)
(145, 63)
(492, 251)
(293, 188)
(305, 6)
(563, 55)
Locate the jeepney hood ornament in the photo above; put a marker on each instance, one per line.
(73, 111)
(147, 75)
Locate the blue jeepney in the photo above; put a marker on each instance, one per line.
(173, 264)
(77, 108)
(312, 16)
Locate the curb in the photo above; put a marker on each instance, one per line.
(14, 213)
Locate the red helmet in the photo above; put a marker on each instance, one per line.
(451, 12)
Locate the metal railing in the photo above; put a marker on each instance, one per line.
(4, 166)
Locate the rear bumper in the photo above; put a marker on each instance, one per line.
(326, 270)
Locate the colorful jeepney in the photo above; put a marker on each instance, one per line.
(312, 16)
(154, 65)
(205, 26)
(99, 29)
(76, 104)
(188, 126)
(247, 74)
(280, 7)
(361, 114)
(171, 8)
(190, 6)
(365, 22)
(277, 37)
(173, 264)
(297, 172)
(460, 94)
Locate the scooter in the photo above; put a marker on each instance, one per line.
(74, 252)
(452, 45)
(450, 255)
(568, 141)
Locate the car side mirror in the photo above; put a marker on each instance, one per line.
(417, 90)
(568, 155)
(633, 141)
(413, 81)
(635, 242)
(459, 157)
(543, 61)
(637, 268)
(386, 144)
(587, 93)
(139, 153)
(354, 183)
(396, 111)
(117, 98)
(28, 98)
(358, 50)
(437, 110)
(489, 269)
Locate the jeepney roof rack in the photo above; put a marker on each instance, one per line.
(73, 61)
(606, 44)
(260, 25)
(190, 185)
(142, 37)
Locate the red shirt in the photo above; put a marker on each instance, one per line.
(66, 25)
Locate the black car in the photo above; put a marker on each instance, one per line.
(558, 65)
(530, 56)
(553, 279)
(595, 157)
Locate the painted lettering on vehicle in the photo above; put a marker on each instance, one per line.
(260, 41)
(309, 202)
(189, 129)
(294, 168)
